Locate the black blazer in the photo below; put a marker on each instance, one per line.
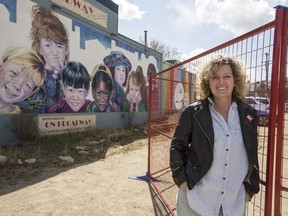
(191, 151)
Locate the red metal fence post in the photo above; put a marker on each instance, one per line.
(273, 109)
(283, 25)
(149, 122)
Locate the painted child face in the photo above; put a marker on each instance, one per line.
(75, 97)
(53, 53)
(120, 74)
(134, 91)
(15, 84)
(101, 96)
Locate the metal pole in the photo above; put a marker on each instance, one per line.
(267, 72)
(145, 40)
(279, 20)
(280, 142)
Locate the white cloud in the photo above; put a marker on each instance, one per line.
(128, 11)
(236, 16)
(186, 12)
(191, 54)
(278, 2)
(190, 24)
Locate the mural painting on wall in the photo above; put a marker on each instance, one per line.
(155, 90)
(182, 88)
(181, 98)
(57, 65)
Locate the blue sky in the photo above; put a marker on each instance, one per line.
(193, 26)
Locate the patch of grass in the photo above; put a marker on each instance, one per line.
(47, 150)
(94, 142)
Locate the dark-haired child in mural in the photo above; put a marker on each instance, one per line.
(119, 66)
(135, 92)
(76, 84)
(50, 42)
(102, 88)
(22, 73)
(151, 70)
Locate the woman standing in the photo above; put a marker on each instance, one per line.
(213, 154)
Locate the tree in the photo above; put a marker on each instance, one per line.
(169, 53)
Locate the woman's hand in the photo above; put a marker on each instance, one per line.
(247, 197)
(184, 186)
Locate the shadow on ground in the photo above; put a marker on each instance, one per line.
(158, 206)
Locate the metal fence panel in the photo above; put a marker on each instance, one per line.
(264, 54)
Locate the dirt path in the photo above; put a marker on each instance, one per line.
(99, 188)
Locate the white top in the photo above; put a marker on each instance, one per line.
(223, 183)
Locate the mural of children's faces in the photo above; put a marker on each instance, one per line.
(75, 97)
(15, 84)
(134, 92)
(119, 65)
(53, 53)
(120, 74)
(101, 96)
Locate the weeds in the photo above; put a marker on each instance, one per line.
(46, 152)
(25, 127)
(65, 144)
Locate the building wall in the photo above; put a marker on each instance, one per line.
(89, 44)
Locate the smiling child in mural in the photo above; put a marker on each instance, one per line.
(76, 85)
(50, 42)
(21, 74)
(119, 66)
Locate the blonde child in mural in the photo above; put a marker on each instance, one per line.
(135, 92)
(22, 73)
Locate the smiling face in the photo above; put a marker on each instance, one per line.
(75, 97)
(15, 84)
(120, 74)
(222, 83)
(53, 53)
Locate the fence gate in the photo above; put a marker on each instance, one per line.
(264, 53)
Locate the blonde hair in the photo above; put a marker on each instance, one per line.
(46, 24)
(30, 62)
(208, 69)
